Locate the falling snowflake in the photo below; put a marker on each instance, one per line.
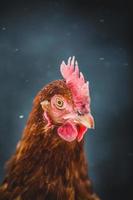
(3, 28)
(101, 20)
(101, 58)
(21, 116)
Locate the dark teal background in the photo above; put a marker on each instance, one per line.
(34, 38)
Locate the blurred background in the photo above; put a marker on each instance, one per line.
(34, 38)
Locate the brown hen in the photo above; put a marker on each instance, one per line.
(49, 162)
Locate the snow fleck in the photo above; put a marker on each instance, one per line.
(101, 58)
(101, 20)
(3, 28)
(16, 49)
(21, 116)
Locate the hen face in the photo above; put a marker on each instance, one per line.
(71, 115)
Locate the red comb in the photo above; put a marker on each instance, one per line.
(76, 82)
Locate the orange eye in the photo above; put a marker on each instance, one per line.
(59, 103)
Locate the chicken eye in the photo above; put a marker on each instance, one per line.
(59, 103)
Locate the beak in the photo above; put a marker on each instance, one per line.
(86, 120)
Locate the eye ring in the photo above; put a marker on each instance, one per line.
(59, 103)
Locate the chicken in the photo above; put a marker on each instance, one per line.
(49, 162)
